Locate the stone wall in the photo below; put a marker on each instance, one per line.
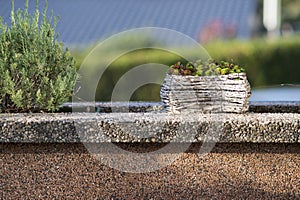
(70, 156)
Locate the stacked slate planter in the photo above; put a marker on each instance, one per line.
(206, 94)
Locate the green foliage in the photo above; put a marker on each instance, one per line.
(291, 10)
(205, 68)
(267, 62)
(128, 61)
(37, 72)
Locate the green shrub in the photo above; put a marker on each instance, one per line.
(267, 62)
(37, 73)
(128, 61)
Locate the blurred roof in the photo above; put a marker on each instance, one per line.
(85, 21)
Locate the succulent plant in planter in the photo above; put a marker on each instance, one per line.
(37, 73)
(206, 86)
(207, 68)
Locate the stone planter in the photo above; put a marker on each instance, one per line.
(224, 93)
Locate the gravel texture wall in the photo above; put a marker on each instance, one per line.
(230, 171)
(256, 155)
(164, 127)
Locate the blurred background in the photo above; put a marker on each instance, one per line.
(261, 35)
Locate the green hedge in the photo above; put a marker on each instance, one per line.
(267, 62)
(123, 64)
